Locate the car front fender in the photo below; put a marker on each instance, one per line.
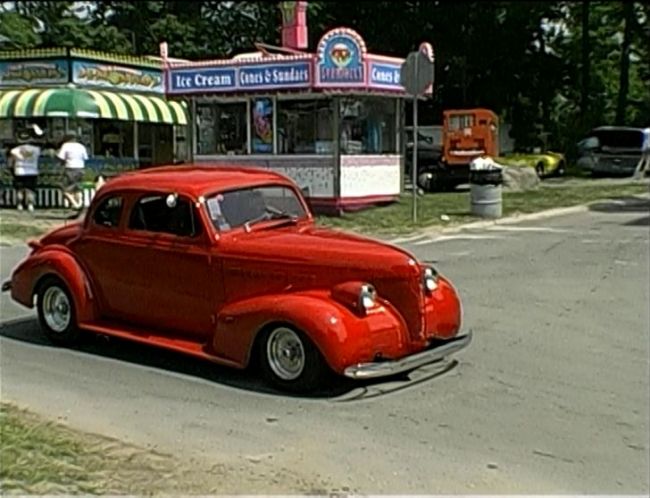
(342, 336)
(56, 261)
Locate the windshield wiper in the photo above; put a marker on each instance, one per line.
(271, 213)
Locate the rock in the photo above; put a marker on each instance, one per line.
(516, 179)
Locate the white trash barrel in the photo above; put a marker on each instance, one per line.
(486, 201)
(486, 193)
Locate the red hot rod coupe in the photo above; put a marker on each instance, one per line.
(226, 264)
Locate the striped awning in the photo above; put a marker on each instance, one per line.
(91, 104)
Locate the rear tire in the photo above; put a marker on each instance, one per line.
(56, 312)
(290, 361)
(539, 169)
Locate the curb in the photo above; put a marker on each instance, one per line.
(517, 218)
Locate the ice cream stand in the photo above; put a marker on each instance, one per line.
(329, 119)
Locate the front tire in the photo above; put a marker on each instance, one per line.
(290, 361)
(56, 312)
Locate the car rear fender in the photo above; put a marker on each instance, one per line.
(53, 261)
(341, 336)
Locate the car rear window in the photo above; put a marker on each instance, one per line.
(620, 139)
(108, 212)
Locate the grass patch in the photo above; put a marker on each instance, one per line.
(39, 457)
(394, 219)
(397, 218)
(14, 230)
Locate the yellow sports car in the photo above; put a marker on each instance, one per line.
(545, 163)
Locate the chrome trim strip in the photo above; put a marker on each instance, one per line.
(385, 368)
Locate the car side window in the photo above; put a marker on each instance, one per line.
(152, 214)
(108, 212)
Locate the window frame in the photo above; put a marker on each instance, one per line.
(198, 237)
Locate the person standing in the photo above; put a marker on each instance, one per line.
(24, 161)
(73, 154)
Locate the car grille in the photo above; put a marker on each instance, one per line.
(407, 296)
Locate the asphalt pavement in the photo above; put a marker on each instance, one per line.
(550, 398)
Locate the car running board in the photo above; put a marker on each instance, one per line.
(178, 344)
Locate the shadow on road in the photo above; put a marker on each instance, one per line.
(339, 389)
(639, 222)
(622, 205)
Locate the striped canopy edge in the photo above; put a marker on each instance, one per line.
(89, 104)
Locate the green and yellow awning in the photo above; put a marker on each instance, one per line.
(91, 104)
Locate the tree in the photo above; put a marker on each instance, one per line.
(624, 73)
(17, 31)
(586, 58)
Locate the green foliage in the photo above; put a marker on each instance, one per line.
(17, 32)
(523, 59)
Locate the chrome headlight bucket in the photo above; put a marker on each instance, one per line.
(367, 297)
(430, 279)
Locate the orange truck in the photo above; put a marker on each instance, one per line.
(466, 135)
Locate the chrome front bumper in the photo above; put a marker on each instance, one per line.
(386, 368)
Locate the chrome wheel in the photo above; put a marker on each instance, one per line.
(285, 353)
(56, 309)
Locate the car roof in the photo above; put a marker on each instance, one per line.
(620, 128)
(194, 180)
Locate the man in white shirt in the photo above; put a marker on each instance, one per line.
(24, 162)
(74, 156)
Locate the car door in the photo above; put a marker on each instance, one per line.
(169, 279)
(100, 251)
(156, 272)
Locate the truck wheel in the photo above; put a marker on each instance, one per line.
(56, 312)
(428, 181)
(290, 361)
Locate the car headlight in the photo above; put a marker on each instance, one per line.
(367, 297)
(360, 297)
(430, 279)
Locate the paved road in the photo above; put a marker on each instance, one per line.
(552, 396)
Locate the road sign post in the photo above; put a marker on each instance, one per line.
(416, 76)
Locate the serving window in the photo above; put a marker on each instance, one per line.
(305, 127)
(221, 128)
(368, 125)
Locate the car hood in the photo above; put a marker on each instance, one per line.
(291, 257)
(317, 246)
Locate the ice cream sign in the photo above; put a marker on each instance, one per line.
(340, 60)
(240, 77)
(385, 75)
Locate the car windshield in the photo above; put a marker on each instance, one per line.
(248, 206)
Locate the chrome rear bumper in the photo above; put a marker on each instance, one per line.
(385, 368)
